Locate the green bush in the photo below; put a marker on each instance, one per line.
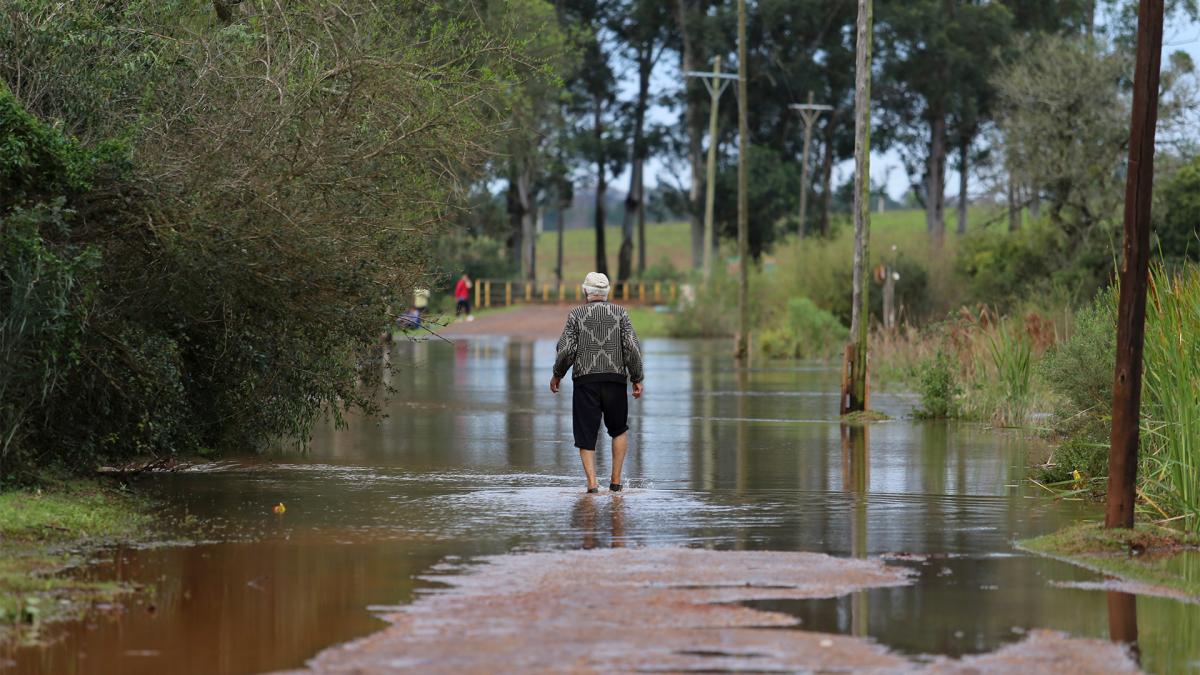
(663, 270)
(808, 332)
(1177, 229)
(1080, 368)
(939, 388)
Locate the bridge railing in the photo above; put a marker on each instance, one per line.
(502, 293)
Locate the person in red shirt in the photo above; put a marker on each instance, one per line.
(462, 296)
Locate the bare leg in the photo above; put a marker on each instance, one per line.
(589, 465)
(619, 445)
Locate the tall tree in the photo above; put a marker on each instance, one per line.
(935, 47)
(593, 93)
(641, 27)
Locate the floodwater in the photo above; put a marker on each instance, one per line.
(474, 458)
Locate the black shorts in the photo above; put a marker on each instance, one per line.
(593, 400)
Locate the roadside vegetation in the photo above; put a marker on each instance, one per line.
(1147, 554)
(210, 211)
(44, 532)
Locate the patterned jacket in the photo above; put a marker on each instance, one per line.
(599, 344)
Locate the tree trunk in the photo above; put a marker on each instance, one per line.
(964, 180)
(695, 131)
(558, 257)
(516, 242)
(1131, 306)
(935, 178)
(601, 187)
(633, 200)
(1014, 205)
(625, 254)
(855, 399)
(528, 232)
(827, 173)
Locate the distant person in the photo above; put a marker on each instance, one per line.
(601, 349)
(462, 297)
(421, 300)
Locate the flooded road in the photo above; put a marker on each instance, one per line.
(474, 458)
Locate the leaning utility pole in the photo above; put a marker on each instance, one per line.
(854, 380)
(742, 349)
(1131, 312)
(809, 112)
(715, 82)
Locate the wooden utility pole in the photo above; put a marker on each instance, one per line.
(854, 383)
(742, 348)
(715, 82)
(809, 112)
(1131, 312)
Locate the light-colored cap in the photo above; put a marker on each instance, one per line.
(596, 280)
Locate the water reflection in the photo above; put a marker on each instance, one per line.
(600, 520)
(1122, 621)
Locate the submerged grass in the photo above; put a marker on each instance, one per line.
(41, 533)
(1141, 554)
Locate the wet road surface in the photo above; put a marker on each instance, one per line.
(474, 458)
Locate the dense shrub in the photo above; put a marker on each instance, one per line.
(807, 332)
(938, 387)
(1080, 367)
(212, 279)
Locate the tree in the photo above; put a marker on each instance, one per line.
(535, 117)
(938, 63)
(274, 190)
(593, 91)
(642, 28)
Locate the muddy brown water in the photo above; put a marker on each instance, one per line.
(474, 458)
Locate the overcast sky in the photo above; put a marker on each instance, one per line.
(1177, 37)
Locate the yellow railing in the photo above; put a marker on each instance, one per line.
(501, 293)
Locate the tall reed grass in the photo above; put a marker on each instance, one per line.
(1171, 394)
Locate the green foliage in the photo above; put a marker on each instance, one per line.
(938, 387)
(1080, 368)
(1177, 226)
(713, 312)
(663, 270)
(481, 257)
(212, 278)
(807, 332)
(771, 197)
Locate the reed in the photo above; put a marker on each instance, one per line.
(1172, 394)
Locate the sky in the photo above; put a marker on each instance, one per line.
(886, 165)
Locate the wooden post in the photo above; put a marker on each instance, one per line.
(1131, 312)
(742, 348)
(658, 291)
(809, 112)
(856, 398)
(478, 285)
(507, 293)
(710, 185)
(487, 294)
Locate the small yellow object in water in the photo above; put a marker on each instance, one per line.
(1076, 475)
(279, 508)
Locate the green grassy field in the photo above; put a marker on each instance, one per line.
(673, 242)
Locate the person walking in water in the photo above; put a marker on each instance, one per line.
(601, 349)
(462, 297)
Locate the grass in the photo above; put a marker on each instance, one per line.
(672, 241)
(1172, 386)
(41, 534)
(1109, 552)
